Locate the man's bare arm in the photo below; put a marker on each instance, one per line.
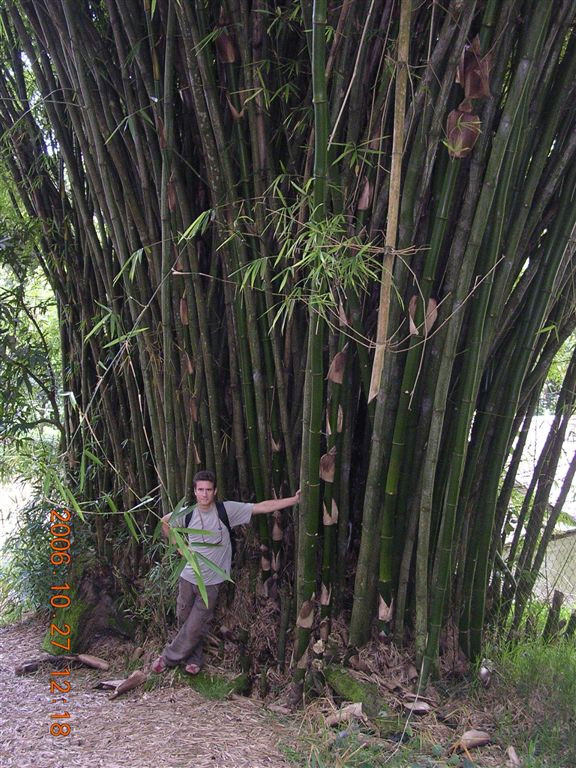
(271, 505)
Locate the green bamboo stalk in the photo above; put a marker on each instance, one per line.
(522, 216)
(331, 499)
(495, 167)
(260, 173)
(505, 495)
(364, 583)
(345, 474)
(464, 410)
(536, 312)
(363, 595)
(399, 456)
(173, 492)
(233, 258)
(428, 120)
(313, 406)
(103, 195)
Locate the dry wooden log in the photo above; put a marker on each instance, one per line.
(348, 712)
(470, 739)
(418, 707)
(133, 681)
(109, 684)
(29, 666)
(513, 760)
(93, 661)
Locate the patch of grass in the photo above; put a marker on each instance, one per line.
(212, 687)
(540, 679)
(358, 745)
(354, 748)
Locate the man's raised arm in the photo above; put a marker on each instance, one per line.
(271, 505)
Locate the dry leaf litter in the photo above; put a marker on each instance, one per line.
(161, 728)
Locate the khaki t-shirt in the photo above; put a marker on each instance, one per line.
(211, 538)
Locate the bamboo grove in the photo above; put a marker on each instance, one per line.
(307, 243)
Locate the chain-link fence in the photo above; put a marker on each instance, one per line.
(558, 570)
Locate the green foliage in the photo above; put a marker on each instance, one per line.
(25, 568)
(542, 677)
(355, 746)
(209, 686)
(318, 262)
(29, 349)
(26, 571)
(149, 603)
(556, 374)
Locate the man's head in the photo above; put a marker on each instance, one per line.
(204, 488)
(205, 475)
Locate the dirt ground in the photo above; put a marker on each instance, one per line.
(168, 727)
(174, 726)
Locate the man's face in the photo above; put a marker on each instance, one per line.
(204, 491)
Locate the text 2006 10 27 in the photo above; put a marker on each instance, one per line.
(60, 557)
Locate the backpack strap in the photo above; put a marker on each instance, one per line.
(188, 518)
(223, 515)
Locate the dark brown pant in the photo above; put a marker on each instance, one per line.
(194, 618)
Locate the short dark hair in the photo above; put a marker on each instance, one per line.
(204, 475)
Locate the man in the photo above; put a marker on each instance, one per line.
(211, 539)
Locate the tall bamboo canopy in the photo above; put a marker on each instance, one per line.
(327, 244)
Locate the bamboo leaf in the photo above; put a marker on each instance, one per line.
(198, 226)
(131, 264)
(67, 494)
(93, 458)
(131, 524)
(124, 337)
(213, 567)
(99, 325)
